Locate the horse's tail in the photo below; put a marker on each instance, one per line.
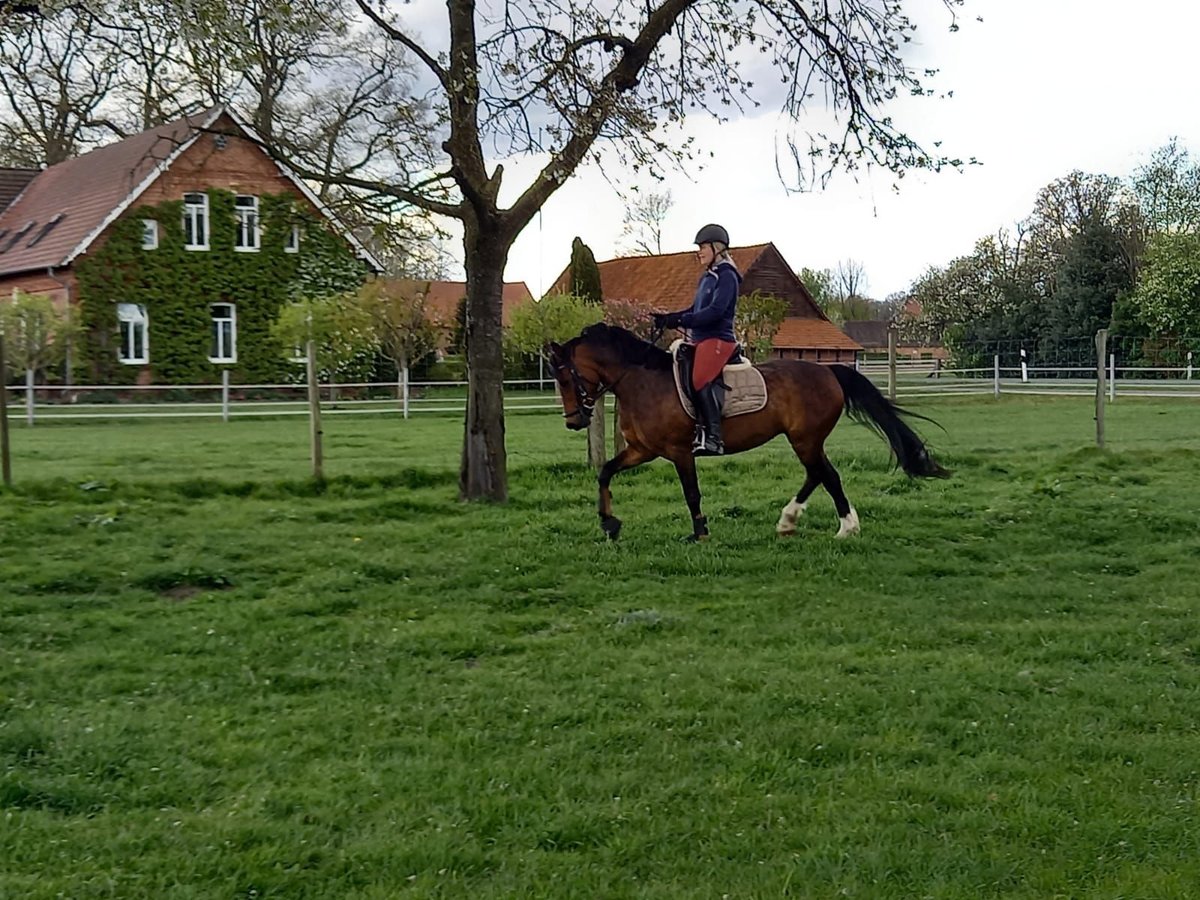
(864, 403)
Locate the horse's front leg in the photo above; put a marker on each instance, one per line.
(628, 458)
(686, 467)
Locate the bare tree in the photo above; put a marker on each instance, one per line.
(849, 280)
(643, 224)
(55, 72)
(565, 78)
(156, 83)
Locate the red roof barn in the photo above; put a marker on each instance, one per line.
(668, 282)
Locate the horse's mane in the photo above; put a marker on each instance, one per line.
(631, 350)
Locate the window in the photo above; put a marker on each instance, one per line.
(293, 241)
(224, 333)
(195, 221)
(246, 209)
(135, 335)
(149, 234)
(16, 238)
(46, 229)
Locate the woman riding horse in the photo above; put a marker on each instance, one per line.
(712, 342)
(804, 402)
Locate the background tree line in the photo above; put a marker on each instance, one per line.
(1095, 252)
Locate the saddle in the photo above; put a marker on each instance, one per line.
(745, 390)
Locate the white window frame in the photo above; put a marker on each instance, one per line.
(149, 234)
(132, 318)
(216, 336)
(195, 212)
(247, 236)
(293, 241)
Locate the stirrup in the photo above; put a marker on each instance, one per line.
(707, 445)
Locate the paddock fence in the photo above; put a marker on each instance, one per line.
(1016, 368)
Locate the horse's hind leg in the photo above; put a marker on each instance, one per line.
(786, 526)
(820, 471)
(833, 484)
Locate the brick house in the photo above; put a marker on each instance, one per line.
(54, 221)
(668, 282)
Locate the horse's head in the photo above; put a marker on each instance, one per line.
(579, 382)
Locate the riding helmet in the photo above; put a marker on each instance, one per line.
(710, 234)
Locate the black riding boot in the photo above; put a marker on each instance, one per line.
(708, 434)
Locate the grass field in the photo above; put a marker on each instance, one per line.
(219, 681)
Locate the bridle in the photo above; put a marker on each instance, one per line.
(585, 396)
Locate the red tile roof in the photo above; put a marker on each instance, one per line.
(667, 281)
(65, 207)
(442, 297)
(797, 334)
(12, 182)
(85, 192)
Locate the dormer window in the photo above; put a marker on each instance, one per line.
(246, 238)
(195, 221)
(46, 229)
(16, 238)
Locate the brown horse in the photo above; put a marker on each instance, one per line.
(804, 402)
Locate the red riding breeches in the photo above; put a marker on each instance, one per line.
(709, 359)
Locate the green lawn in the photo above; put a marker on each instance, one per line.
(218, 681)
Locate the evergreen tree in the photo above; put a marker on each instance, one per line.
(585, 274)
(1092, 277)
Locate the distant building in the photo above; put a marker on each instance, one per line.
(668, 282)
(55, 221)
(442, 299)
(873, 335)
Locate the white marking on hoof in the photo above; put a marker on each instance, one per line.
(787, 518)
(849, 524)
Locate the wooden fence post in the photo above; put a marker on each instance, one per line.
(618, 438)
(29, 399)
(596, 448)
(5, 456)
(314, 413)
(891, 333)
(1101, 345)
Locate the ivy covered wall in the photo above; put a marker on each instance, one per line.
(178, 286)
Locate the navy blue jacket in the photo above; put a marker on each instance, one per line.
(714, 305)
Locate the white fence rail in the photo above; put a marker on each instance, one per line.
(34, 403)
(46, 403)
(927, 378)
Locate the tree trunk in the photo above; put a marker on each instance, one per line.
(483, 473)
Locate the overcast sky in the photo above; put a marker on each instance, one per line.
(1041, 87)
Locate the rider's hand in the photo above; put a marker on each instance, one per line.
(667, 320)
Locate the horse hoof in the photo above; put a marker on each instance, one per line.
(785, 532)
(611, 526)
(695, 538)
